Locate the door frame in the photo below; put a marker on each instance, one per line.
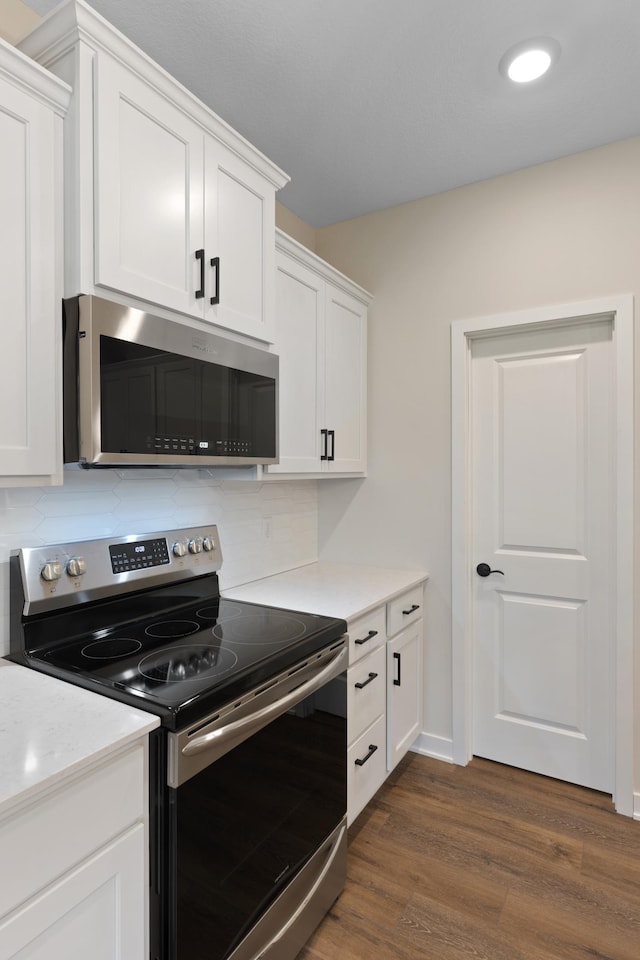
(463, 333)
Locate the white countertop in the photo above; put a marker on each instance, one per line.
(50, 729)
(332, 589)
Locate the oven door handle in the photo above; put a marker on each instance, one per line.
(255, 721)
(265, 951)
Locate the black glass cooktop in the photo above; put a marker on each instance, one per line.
(177, 652)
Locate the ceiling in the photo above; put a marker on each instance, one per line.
(371, 103)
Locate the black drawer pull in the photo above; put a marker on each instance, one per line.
(372, 750)
(371, 677)
(372, 633)
(414, 606)
(200, 257)
(396, 681)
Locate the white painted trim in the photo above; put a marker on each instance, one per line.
(636, 806)
(18, 69)
(429, 745)
(302, 255)
(462, 333)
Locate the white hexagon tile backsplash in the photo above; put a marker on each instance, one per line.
(264, 527)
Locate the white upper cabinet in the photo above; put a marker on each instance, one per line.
(167, 206)
(32, 105)
(321, 339)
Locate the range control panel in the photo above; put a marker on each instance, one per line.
(138, 556)
(63, 574)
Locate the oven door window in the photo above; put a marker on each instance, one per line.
(154, 402)
(247, 823)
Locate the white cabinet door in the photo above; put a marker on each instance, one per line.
(300, 345)
(404, 691)
(239, 247)
(345, 381)
(30, 285)
(97, 910)
(149, 203)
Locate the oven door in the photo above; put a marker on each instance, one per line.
(252, 847)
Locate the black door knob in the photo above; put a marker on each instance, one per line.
(483, 570)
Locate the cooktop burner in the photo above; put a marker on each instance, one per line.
(111, 649)
(172, 628)
(260, 628)
(187, 663)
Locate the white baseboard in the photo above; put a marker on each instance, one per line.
(636, 806)
(429, 745)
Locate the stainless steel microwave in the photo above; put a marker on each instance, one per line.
(142, 390)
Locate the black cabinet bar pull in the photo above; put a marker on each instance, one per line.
(215, 263)
(372, 676)
(332, 434)
(323, 434)
(200, 257)
(372, 750)
(372, 633)
(396, 681)
(414, 606)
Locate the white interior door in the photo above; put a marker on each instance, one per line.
(542, 491)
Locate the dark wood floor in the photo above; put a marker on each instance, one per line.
(485, 862)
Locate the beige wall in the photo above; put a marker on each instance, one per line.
(562, 231)
(295, 227)
(16, 19)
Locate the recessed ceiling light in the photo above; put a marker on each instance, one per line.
(530, 59)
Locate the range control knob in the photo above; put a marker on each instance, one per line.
(76, 566)
(209, 544)
(179, 548)
(51, 571)
(195, 545)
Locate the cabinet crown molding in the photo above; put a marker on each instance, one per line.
(292, 248)
(18, 69)
(77, 21)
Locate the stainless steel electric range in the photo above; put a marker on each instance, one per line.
(248, 767)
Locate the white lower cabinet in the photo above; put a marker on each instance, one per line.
(384, 695)
(94, 911)
(404, 672)
(76, 866)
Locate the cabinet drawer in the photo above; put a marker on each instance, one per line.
(47, 838)
(366, 687)
(366, 633)
(405, 609)
(364, 778)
